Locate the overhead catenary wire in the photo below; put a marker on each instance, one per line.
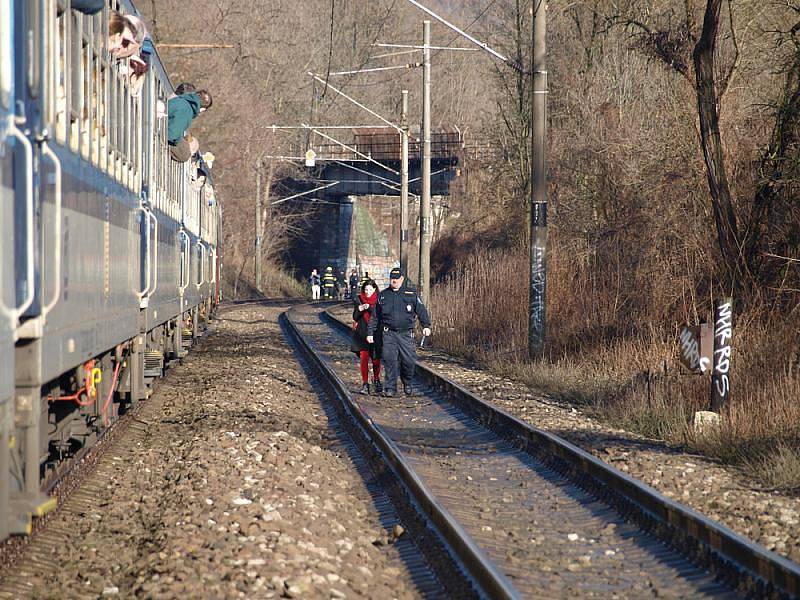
(418, 47)
(293, 196)
(376, 69)
(356, 102)
(344, 164)
(483, 45)
(353, 150)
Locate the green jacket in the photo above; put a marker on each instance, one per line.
(181, 110)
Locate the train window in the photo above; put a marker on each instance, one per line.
(87, 68)
(6, 59)
(113, 112)
(75, 68)
(136, 141)
(102, 114)
(97, 107)
(125, 124)
(61, 80)
(33, 33)
(99, 30)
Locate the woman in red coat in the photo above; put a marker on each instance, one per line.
(363, 311)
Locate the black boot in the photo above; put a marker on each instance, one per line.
(409, 391)
(377, 385)
(364, 389)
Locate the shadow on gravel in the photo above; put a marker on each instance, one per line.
(612, 444)
(388, 517)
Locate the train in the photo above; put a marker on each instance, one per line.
(109, 249)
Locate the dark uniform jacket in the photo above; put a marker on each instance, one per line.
(397, 311)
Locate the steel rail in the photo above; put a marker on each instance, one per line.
(670, 520)
(491, 581)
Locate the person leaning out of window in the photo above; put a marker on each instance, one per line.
(181, 111)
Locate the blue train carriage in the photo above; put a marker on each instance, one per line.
(10, 139)
(106, 248)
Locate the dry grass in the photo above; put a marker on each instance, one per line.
(629, 375)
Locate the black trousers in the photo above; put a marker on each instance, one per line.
(399, 353)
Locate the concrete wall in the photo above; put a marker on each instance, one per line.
(361, 233)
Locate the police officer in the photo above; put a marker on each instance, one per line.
(328, 283)
(397, 308)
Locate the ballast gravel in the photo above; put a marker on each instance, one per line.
(234, 486)
(770, 518)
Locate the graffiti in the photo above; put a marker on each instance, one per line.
(690, 348)
(695, 348)
(538, 291)
(723, 335)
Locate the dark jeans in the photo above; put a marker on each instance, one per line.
(399, 353)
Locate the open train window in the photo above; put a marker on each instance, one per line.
(60, 78)
(136, 141)
(86, 82)
(33, 45)
(102, 113)
(6, 59)
(75, 70)
(113, 117)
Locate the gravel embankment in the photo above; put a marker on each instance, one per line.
(234, 485)
(770, 518)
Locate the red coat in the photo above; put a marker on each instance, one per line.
(359, 342)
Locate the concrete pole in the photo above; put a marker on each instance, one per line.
(425, 201)
(404, 185)
(258, 226)
(538, 220)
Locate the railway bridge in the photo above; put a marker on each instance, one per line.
(356, 186)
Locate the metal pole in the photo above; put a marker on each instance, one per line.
(723, 334)
(404, 185)
(258, 226)
(425, 200)
(538, 235)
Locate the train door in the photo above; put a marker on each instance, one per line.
(9, 143)
(36, 177)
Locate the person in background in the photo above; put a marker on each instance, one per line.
(328, 283)
(363, 312)
(353, 284)
(314, 280)
(365, 278)
(396, 311)
(341, 286)
(181, 111)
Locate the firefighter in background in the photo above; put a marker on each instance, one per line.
(328, 283)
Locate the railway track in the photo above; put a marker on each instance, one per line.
(526, 514)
